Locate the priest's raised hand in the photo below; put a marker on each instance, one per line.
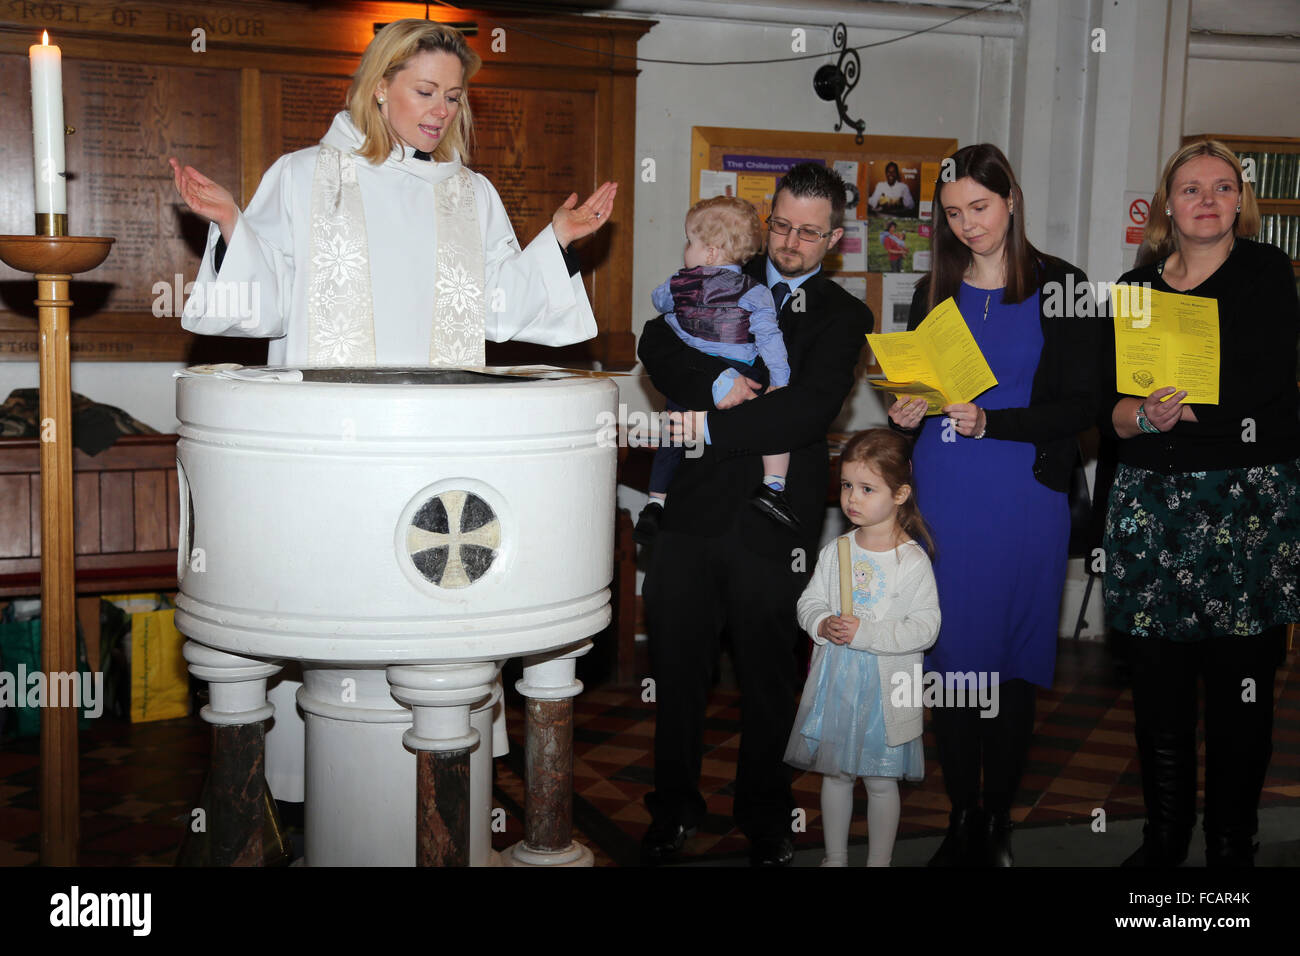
(205, 198)
(572, 221)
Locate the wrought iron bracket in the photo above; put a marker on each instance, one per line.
(835, 82)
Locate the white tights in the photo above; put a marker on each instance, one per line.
(883, 809)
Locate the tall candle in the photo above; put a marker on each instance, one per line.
(47, 130)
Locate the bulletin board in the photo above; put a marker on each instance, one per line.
(748, 162)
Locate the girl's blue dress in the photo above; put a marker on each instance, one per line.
(840, 725)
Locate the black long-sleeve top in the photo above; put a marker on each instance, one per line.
(1257, 420)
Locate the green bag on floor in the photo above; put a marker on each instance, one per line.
(20, 656)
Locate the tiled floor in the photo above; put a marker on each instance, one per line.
(139, 782)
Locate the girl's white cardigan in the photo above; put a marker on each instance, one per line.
(904, 622)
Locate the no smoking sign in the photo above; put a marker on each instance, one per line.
(1138, 211)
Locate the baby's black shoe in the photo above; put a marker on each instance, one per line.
(775, 505)
(647, 525)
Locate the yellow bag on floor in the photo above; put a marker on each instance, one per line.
(160, 681)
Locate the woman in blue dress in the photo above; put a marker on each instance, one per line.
(992, 478)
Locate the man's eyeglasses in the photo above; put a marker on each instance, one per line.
(780, 227)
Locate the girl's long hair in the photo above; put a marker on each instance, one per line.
(1160, 238)
(890, 454)
(387, 54)
(950, 257)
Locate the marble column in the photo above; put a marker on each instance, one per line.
(440, 697)
(550, 684)
(238, 825)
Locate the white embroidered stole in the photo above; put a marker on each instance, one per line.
(340, 308)
(459, 312)
(340, 305)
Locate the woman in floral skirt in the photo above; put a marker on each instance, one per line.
(1203, 528)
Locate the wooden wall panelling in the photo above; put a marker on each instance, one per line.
(85, 496)
(15, 516)
(250, 133)
(117, 511)
(619, 93)
(150, 507)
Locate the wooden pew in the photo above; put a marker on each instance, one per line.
(126, 507)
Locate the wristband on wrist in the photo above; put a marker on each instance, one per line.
(1144, 423)
(984, 429)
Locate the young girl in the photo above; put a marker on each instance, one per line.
(857, 717)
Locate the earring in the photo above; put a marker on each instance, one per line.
(1166, 210)
(382, 101)
(1239, 209)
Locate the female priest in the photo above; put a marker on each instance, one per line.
(379, 246)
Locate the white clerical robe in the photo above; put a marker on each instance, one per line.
(530, 297)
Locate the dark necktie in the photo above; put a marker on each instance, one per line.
(779, 292)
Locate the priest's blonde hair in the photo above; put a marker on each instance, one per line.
(1160, 237)
(385, 57)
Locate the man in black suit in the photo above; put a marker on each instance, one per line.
(720, 564)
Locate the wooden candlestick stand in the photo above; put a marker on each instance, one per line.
(54, 260)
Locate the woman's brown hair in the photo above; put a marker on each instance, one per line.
(1160, 238)
(385, 57)
(950, 257)
(890, 454)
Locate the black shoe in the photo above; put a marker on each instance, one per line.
(1159, 850)
(771, 851)
(775, 505)
(663, 842)
(1169, 794)
(1229, 850)
(647, 525)
(964, 843)
(997, 840)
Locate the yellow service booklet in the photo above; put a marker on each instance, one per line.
(1166, 338)
(938, 361)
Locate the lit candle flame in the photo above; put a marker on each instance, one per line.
(45, 38)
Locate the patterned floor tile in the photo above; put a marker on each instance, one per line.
(10, 855)
(139, 781)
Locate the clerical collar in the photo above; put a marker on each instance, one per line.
(421, 154)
